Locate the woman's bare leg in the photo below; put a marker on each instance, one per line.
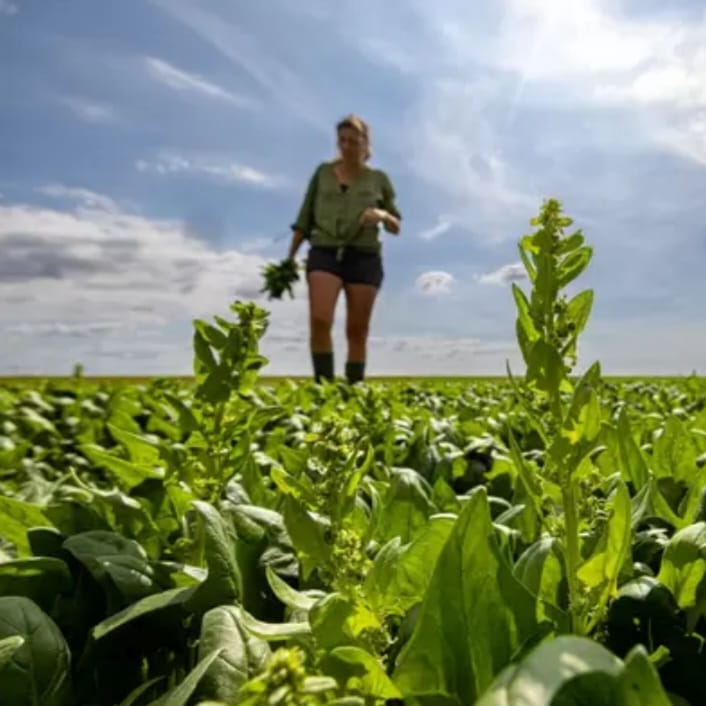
(360, 299)
(324, 289)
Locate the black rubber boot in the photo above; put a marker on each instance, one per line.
(355, 371)
(323, 366)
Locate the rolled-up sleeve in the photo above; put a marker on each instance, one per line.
(389, 197)
(304, 222)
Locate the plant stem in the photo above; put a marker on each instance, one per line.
(573, 556)
(217, 443)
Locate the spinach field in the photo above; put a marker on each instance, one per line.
(534, 541)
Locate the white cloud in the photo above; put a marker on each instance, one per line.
(215, 167)
(84, 197)
(440, 356)
(630, 346)
(504, 275)
(434, 282)
(651, 65)
(481, 66)
(581, 38)
(98, 284)
(257, 244)
(90, 111)
(449, 142)
(442, 226)
(8, 8)
(180, 80)
(254, 56)
(97, 259)
(58, 328)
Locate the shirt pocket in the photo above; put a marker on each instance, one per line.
(369, 197)
(329, 195)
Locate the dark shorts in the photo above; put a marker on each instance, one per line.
(353, 267)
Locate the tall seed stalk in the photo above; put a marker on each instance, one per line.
(566, 416)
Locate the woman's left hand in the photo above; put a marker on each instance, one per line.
(373, 216)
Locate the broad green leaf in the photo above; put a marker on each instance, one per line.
(126, 473)
(38, 673)
(16, 518)
(571, 243)
(244, 466)
(578, 310)
(354, 472)
(223, 584)
(8, 647)
(45, 541)
(683, 567)
(189, 419)
(212, 335)
(215, 389)
(318, 685)
(36, 422)
(573, 265)
(401, 572)
(109, 556)
(307, 537)
(633, 464)
(611, 550)
(529, 267)
(646, 612)
(141, 449)
(639, 682)
(564, 671)
(694, 503)
(662, 508)
(181, 695)
(406, 507)
(526, 330)
(41, 579)
(443, 496)
(205, 359)
(297, 600)
(134, 696)
(358, 670)
(273, 632)
(532, 487)
(545, 367)
(599, 572)
(545, 289)
(241, 655)
(298, 488)
(474, 618)
(531, 414)
(293, 460)
(675, 453)
(541, 570)
(175, 598)
(583, 423)
(337, 620)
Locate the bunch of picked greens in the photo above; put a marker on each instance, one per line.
(280, 277)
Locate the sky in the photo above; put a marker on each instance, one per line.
(154, 152)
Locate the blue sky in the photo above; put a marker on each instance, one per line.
(153, 153)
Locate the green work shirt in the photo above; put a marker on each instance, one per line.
(330, 216)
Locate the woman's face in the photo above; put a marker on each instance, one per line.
(352, 145)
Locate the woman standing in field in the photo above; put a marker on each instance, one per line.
(345, 204)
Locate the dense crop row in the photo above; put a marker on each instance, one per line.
(538, 541)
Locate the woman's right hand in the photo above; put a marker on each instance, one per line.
(297, 239)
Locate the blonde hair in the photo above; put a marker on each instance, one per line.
(361, 127)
